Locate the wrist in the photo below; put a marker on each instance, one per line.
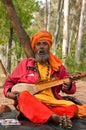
(70, 86)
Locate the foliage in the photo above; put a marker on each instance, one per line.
(4, 25)
(31, 16)
(73, 67)
(25, 10)
(70, 63)
(83, 49)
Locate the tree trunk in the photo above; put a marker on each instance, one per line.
(60, 6)
(45, 15)
(65, 30)
(49, 15)
(71, 37)
(2, 70)
(78, 45)
(9, 51)
(20, 32)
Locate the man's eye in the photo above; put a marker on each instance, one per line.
(45, 43)
(38, 43)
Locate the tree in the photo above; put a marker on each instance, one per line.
(57, 31)
(9, 51)
(79, 40)
(49, 15)
(20, 32)
(4, 25)
(34, 21)
(65, 30)
(45, 15)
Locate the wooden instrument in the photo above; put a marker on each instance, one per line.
(35, 88)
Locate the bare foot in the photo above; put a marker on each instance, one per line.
(4, 109)
(63, 121)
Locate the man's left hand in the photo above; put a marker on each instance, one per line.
(66, 86)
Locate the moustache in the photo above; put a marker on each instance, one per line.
(42, 51)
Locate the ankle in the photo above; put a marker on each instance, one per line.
(55, 118)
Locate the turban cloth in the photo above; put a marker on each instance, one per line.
(42, 35)
(55, 62)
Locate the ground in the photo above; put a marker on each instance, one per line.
(80, 94)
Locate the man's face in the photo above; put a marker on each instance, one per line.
(41, 51)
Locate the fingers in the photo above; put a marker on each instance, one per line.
(16, 95)
(15, 92)
(13, 95)
(65, 87)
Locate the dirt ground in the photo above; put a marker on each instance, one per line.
(80, 94)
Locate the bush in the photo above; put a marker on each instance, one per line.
(73, 67)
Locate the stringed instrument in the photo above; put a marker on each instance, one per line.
(35, 88)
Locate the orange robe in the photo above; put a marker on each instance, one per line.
(41, 106)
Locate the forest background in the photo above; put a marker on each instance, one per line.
(65, 19)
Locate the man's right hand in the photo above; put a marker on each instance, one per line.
(13, 95)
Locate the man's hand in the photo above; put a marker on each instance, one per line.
(13, 95)
(66, 86)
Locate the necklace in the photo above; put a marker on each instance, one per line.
(43, 71)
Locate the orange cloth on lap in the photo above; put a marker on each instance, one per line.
(70, 111)
(38, 112)
(81, 111)
(32, 108)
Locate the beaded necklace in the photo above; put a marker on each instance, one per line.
(43, 71)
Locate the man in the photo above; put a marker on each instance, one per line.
(47, 104)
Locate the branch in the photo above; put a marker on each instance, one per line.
(20, 32)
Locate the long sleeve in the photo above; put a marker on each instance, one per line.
(23, 73)
(14, 77)
(61, 74)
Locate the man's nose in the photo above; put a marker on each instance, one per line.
(41, 45)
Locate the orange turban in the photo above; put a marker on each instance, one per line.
(55, 62)
(42, 35)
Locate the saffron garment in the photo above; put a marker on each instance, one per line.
(40, 107)
(38, 112)
(43, 105)
(81, 111)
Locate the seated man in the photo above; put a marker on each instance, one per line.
(47, 104)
